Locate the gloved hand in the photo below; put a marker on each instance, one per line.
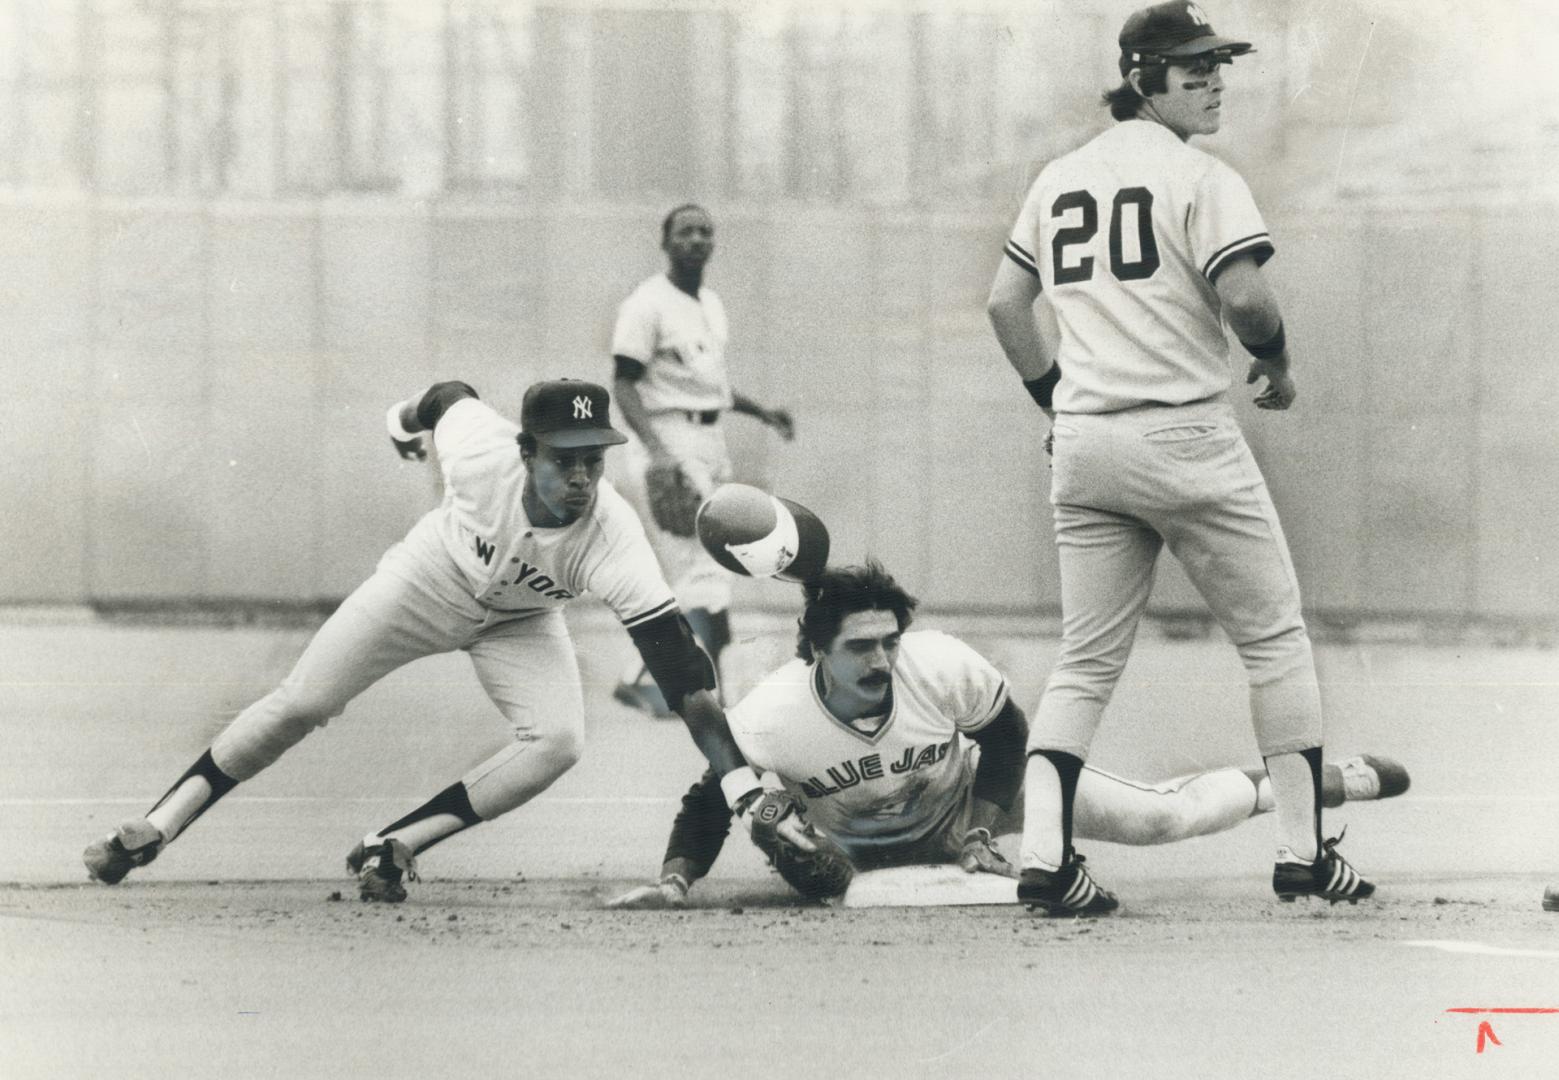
(674, 499)
(809, 861)
(773, 816)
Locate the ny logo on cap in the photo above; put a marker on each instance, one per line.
(582, 409)
(1195, 14)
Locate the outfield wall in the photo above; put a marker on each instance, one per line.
(196, 391)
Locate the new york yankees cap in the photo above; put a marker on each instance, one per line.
(1172, 31)
(569, 412)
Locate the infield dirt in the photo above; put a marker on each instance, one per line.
(229, 957)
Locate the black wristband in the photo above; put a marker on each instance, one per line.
(1270, 349)
(1043, 389)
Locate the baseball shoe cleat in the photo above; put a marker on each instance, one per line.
(1328, 877)
(380, 869)
(1362, 778)
(135, 843)
(1067, 891)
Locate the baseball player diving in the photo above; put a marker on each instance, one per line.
(673, 389)
(526, 525)
(1145, 247)
(903, 747)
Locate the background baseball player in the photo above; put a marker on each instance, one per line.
(673, 390)
(526, 525)
(1144, 246)
(905, 748)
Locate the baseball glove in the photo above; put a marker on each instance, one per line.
(819, 874)
(674, 501)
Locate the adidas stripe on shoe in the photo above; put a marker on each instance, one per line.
(1329, 877)
(1067, 891)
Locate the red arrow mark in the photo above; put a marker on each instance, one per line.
(1486, 1030)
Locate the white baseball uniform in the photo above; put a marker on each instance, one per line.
(1127, 235)
(899, 791)
(686, 389)
(474, 574)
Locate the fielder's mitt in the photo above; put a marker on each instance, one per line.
(817, 875)
(674, 501)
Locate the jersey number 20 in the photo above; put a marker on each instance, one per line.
(1146, 263)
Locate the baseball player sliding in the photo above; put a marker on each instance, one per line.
(673, 388)
(526, 525)
(903, 747)
(1144, 246)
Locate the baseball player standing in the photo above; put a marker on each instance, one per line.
(672, 386)
(526, 525)
(1144, 246)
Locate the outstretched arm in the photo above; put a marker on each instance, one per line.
(685, 676)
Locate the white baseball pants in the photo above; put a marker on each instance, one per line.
(1124, 485)
(525, 663)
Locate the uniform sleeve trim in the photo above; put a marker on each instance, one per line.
(653, 613)
(1259, 244)
(997, 704)
(1021, 257)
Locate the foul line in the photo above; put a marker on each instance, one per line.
(1480, 949)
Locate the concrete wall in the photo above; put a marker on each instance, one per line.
(196, 390)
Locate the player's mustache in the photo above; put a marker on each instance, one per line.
(876, 679)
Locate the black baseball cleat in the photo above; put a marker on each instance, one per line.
(1328, 877)
(380, 868)
(135, 843)
(1067, 891)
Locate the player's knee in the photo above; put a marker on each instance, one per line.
(1092, 681)
(300, 705)
(561, 749)
(571, 748)
(1277, 654)
(261, 735)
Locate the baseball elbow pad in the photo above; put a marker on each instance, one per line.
(436, 402)
(999, 776)
(676, 663)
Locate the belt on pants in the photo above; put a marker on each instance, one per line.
(707, 416)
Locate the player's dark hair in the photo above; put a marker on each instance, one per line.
(1124, 101)
(665, 225)
(527, 443)
(844, 590)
